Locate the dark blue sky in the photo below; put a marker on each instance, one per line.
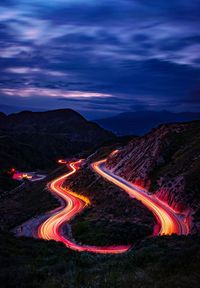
(100, 57)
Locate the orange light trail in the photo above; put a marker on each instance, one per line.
(169, 221)
(51, 229)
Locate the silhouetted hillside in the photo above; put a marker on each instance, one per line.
(36, 139)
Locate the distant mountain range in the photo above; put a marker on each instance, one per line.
(138, 123)
(8, 109)
(30, 140)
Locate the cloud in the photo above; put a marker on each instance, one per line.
(28, 70)
(129, 49)
(30, 92)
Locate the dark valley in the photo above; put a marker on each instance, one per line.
(163, 162)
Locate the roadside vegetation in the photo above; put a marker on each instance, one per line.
(157, 262)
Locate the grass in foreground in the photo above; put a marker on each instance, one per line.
(156, 262)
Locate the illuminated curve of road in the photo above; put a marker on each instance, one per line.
(51, 229)
(169, 221)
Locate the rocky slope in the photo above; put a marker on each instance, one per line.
(165, 161)
(30, 140)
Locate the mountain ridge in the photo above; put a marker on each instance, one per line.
(46, 136)
(140, 122)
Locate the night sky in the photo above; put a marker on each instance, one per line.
(100, 57)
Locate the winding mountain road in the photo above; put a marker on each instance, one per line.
(51, 229)
(169, 221)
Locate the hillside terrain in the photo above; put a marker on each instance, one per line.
(139, 123)
(113, 217)
(166, 162)
(35, 140)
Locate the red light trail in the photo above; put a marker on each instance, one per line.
(51, 229)
(169, 221)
